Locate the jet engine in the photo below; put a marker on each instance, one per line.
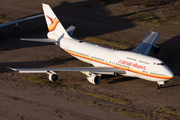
(94, 79)
(53, 77)
(155, 49)
(16, 29)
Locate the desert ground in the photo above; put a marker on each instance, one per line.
(34, 97)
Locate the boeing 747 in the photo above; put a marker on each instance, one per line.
(134, 63)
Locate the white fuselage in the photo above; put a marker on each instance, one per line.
(135, 65)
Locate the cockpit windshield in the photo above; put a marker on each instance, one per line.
(160, 63)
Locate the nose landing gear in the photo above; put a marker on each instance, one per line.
(159, 85)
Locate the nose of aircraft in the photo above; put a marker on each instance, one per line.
(170, 73)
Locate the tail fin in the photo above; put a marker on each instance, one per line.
(56, 29)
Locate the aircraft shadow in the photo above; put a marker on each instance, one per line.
(119, 80)
(169, 86)
(89, 17)
(170, 54)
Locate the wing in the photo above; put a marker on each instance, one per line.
(145, 46)
(90, 69)
(24, 19)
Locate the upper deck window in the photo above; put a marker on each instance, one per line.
(144, 62)
(131, 58)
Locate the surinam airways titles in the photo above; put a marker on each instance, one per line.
(130, 64)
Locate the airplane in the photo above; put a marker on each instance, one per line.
(105, 61)
(17, 28)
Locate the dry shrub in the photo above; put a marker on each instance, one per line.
(126, 3)
(150, 3)
(104, 2)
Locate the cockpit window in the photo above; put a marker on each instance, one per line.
(160, 64)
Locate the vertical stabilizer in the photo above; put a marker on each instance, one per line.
(55, 27)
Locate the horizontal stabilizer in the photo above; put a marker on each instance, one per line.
(39, 40)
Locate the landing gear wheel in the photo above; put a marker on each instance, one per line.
(17, 30)
(158, 86)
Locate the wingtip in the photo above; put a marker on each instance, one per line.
(11, 68)
(43, 4)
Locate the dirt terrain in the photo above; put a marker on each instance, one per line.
(32, 96)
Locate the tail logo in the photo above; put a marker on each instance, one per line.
(53, 24)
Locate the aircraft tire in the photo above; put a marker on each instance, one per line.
(158, 86)
(17, 30)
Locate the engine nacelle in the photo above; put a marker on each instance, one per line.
(52, 36)
(16, 30)
(94, 79)
(53, 77)
(155, 49)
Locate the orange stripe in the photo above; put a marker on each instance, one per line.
(53, 26)
(117, 66)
